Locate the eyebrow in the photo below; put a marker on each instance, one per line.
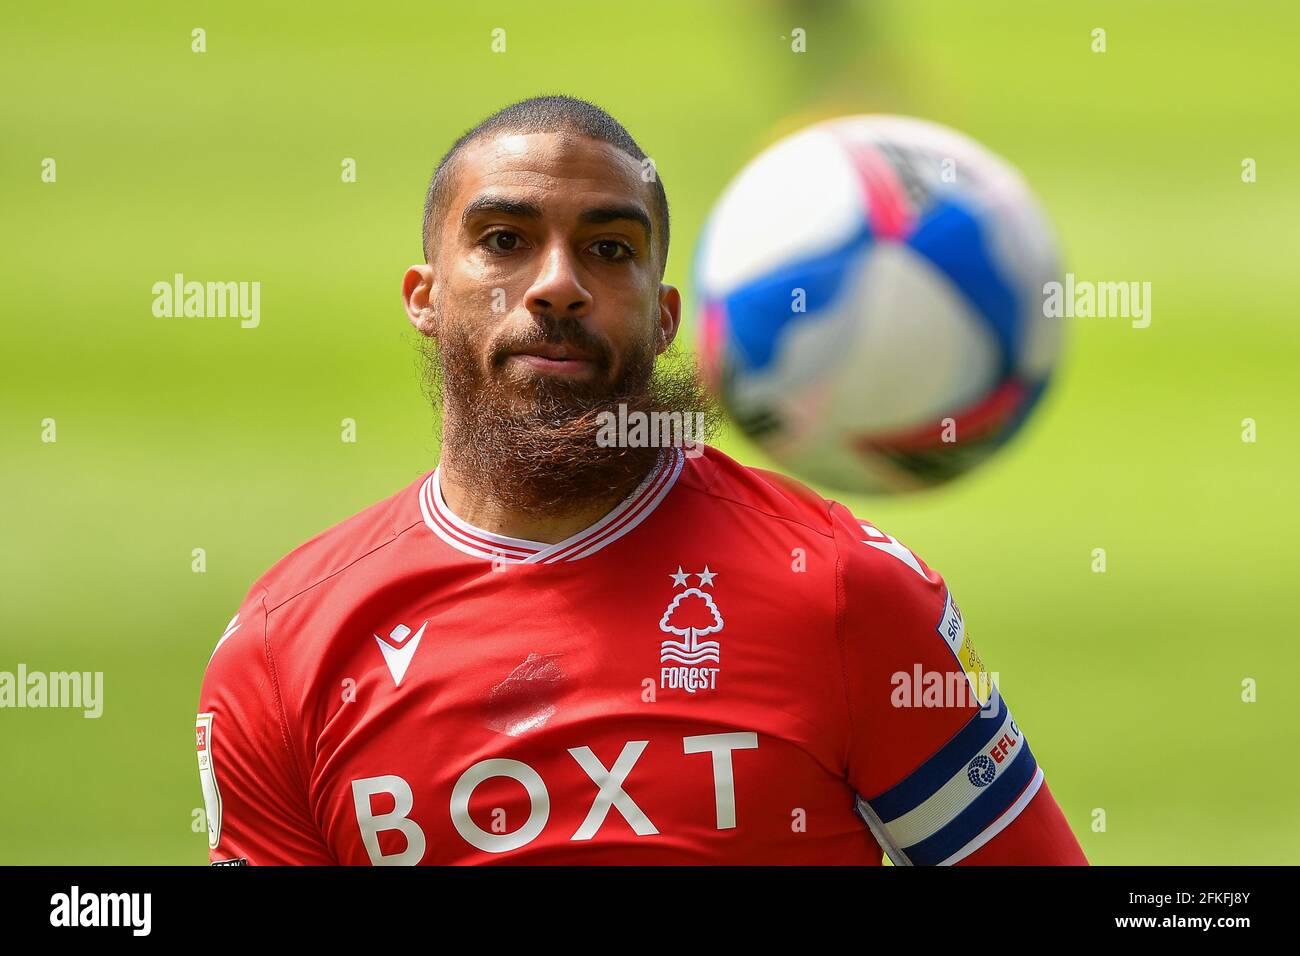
(484, 205)
(499, 204)
(631, 212)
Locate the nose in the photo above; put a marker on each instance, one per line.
(557, 288)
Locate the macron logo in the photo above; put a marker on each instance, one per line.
(890, 545)
(231, 628)
(399, 649)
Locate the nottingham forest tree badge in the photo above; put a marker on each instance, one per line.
(691, 615)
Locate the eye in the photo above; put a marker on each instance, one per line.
(611, 249)
(501, 241)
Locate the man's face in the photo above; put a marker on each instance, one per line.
(543, 272)
(542, 302)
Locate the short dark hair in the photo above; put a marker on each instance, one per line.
(546, 114)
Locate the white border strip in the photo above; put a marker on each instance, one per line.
(877, 828)
(628, 514)
(1001, 823)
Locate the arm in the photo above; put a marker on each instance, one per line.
(253, 789)
(942, 771)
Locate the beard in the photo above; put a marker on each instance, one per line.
(530, 441)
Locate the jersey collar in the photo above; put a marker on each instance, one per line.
(629, 513)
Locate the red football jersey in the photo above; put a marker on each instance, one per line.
(726, 668)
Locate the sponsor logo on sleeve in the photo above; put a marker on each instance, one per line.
(952, 627)
(208, 778)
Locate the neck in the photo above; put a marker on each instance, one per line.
(480, 508)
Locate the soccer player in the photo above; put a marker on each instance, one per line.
(554, 649)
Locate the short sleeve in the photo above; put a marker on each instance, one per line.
(939, 764)
(253, 794)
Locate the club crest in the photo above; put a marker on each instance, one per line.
(690, 662)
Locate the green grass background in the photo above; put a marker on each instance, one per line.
(182, 433)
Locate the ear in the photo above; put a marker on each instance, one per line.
(419, 288)
(670, 317)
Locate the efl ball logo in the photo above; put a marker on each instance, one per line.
(981, 771)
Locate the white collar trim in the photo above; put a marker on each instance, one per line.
(629, 513)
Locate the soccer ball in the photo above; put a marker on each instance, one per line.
(870, 298)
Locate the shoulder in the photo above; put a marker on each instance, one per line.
(341, 547)
(246, 682)
(762, 493)
(875, 572)
(865, 550)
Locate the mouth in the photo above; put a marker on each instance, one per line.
(549, 359)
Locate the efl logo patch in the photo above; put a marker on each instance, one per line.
(981, 771)
(984, 768)
(208, 778)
